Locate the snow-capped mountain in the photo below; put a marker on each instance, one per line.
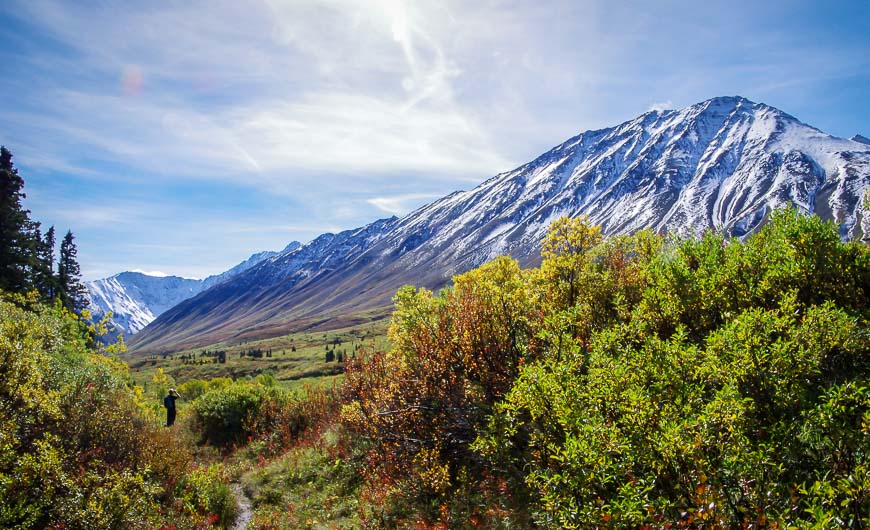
(135, 299)
(724, 163)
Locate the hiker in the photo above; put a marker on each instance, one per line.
(169, 403)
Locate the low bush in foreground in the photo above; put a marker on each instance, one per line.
(627, 383)
(236, 413)
(310, 486)
(78, 447)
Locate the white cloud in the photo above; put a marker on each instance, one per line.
(400, 204)
(344, 132)
(157, 274)
(369, 89)
(344, 109)
(81, 218)
(662, 105)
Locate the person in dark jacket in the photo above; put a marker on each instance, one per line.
(169, 403)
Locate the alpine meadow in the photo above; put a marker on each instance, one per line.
(660, 322)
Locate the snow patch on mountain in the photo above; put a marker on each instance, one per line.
(136, 298)
(722, 164)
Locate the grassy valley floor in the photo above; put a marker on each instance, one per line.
(295, 360)
(307, 486)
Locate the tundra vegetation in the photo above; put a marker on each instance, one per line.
(630, 382)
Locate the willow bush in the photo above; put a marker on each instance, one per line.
(635, 381)
(78, 447)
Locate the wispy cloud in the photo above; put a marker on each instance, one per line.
(661, 105)
(400, 204)
(158, 274)
(89, 217)
(332, 115)
(154, 123)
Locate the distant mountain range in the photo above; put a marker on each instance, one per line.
(724, 163)
(135, 298)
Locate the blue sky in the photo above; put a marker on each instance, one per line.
(181, 136)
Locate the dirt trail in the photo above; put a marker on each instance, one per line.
(245, 511)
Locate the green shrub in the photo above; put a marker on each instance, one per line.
(308, 483)
(192, 389)
(225, 416)
(626, 383)
(732, 393)
(76, 449)
(206, 491)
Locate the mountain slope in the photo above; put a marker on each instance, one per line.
(135, 299)
(724, 163)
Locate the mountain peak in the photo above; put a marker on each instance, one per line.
(728, 101)
(137, 297)
(724, 105)
(722, 164)
(293, 245)
(860, 139)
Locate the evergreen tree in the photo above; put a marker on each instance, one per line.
(44, 274)
(48, 258)
(16, 230)
(71, 291)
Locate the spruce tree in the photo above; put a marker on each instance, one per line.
(17, 244)
(71, 291)
(47, 280)
(41, 252)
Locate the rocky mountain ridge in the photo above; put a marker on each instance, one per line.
(136, 299)
(721, 164)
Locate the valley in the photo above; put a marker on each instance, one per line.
(396, 264)
(296, 360)
(723, 164)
